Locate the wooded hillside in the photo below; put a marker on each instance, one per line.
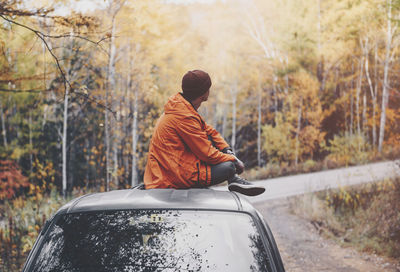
(294, 82)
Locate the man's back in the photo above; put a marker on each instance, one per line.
(180, 153)
(185, 152)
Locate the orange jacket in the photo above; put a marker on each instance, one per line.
(180, 152)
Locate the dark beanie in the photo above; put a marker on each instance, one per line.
(195, 83)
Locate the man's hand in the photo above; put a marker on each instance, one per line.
(239, 166)
(228, 150)
(238, 163)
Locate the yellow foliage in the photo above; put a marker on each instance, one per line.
(278, 141)
(348, 149)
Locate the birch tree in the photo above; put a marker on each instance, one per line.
(3, 125)
(386, 67)
(65, 123)
(358, 91)
(259, 117)
(373, 89)
(134, 89)
(114, 7)
(234, 94)
(134, 180)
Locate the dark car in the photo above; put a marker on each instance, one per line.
(156, 230)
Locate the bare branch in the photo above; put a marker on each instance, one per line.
(83, 95)
(5, 80)
(65, 80)
(20, 91)
(98, 43)
(59, 132)
(7, 9)
(86, 97)
(41, 36)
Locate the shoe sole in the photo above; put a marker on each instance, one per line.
(248, 190)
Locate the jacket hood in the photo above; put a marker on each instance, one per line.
(178, 105)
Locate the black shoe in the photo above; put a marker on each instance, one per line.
(240, 185)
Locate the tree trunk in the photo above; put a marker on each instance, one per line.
(319, 27)
(88, 166)
(319, 66)
(3, 126)
(286, 90)
(96, 171)
(70, 169)
(345, 109)
(30, 143)
(259, 127)
(224, 121)
(215, 115)
(364, 114)
(352, 101)
(134, 110)
(358, 93)
(123, 161)
(375, 101)
(116, 131)
(275, 96)
(371, 89)
(134, 139)
(126, 121)
(125, 132)
(107, 142)
(50, 95)
(385, 91)
(234, 100)
(64, 142)
(298, 131)
(65, 127)
(110, 86)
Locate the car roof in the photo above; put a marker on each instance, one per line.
(136, 198)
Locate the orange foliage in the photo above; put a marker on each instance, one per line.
(11, 179)
(392, 127)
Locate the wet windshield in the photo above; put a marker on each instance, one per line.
(153, 240)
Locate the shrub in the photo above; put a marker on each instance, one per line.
(21, 221)
(12, 181)
(365, 216)
(348, 149)
(309, 166)
(278, 143)
(23, 218)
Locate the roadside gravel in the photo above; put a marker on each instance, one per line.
(303, 249)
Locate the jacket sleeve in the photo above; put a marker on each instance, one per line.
(196, 139)
(217, 139)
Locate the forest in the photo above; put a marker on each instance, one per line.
(297, 86)
(295, 83)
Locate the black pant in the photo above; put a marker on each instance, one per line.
(222, 171)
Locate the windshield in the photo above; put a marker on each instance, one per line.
(153, 240)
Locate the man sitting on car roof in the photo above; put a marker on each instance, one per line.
(186, 152)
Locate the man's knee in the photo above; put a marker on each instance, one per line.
(231, 169)
(222, 171)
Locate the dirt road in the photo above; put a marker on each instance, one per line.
(318, 181)
(303, 249)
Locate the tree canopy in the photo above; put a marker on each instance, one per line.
(293, 81)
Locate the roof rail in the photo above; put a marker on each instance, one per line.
(139, 186)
